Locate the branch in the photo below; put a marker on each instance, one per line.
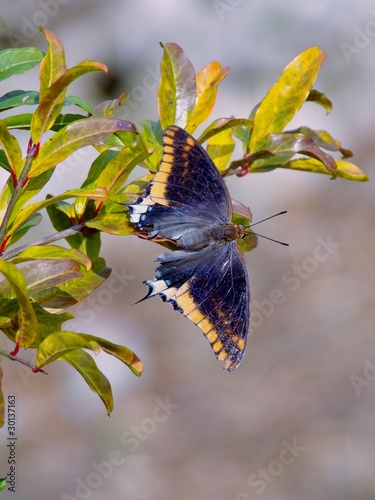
(17, 189)
(10, 254)
(33, 367)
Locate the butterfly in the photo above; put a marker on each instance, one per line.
(206, 277)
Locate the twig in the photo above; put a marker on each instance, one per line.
(10, 254)
(17, 190)
(33, 367)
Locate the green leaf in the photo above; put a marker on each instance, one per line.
(177, 90)
(221, 124)
(74, 136)
(11, 149)
(321, 99)
(345, 169)
(137, 186)
(59, 343)
(72, 99)
(31, 222)
(152, 136)
(17, 98)
(207, 82)
(23, 121)
(113, 219)
(286, 97)
(3, 480)
(28, 324)
(284, 145)
(17, 61)
(220, 148)
(116, 172)
(86, 366)
(88, 242)
(248, 243)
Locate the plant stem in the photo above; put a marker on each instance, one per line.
(10, 254)
(16, 191)
(21, 360)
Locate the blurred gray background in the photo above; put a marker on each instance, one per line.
(296, 420)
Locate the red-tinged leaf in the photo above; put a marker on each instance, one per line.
(86, 366)
(220, 148)
(221, 124)
(105, 109)
(207, 82)
(242, 210)
(46, 274)
(11, 149)
(2, 405)
(74, 291)
(284, 145)
(28, 324)
(52, 100)
(74, 136)
(324, 140)
(53, 65)
(177, 90)
(345, 169)
(286, 97)
(45, 252)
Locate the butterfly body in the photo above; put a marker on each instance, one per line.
(205, 278)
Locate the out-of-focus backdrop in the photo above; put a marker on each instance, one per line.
(296, 420)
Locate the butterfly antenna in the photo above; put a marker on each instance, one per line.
(266, 237)
(271, 239)
(268, 218)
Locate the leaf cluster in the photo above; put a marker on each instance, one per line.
(42, 279)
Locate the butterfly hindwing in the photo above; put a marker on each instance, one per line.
(211, 288)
